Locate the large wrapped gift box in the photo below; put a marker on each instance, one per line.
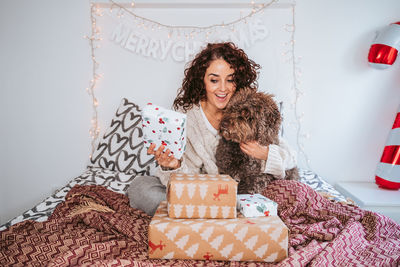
(164, 127)
(253, 205)
(262, 239)
(201, 196)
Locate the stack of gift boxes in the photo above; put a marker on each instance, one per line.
(200, 221)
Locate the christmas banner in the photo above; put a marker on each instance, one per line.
(160, 45)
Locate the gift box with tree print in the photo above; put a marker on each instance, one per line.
(201, 196)
(263, 239)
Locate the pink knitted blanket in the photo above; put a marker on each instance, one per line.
(97, 227)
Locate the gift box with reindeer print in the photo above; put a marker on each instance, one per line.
(263, 239)
(201, 196)
(164, 127)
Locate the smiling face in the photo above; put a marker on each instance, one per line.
(219, 84)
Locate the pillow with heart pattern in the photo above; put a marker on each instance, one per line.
(121, 148)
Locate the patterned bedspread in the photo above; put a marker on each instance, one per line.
(95, 226)
(119, 182)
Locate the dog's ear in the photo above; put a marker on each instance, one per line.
(270, 121)
(274, 116)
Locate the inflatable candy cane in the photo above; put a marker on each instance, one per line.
(384, 50)
(382, 54)
(388, 170)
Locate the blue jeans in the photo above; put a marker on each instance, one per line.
(146, 193)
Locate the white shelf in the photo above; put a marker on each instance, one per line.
(369, 196)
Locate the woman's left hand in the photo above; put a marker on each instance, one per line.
(255, 150)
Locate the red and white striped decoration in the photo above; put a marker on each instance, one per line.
(384, 49)
(388, 171)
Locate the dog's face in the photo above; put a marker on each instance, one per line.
(251, 116)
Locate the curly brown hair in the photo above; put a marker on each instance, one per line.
(193, 89)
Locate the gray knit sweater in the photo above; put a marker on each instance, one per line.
(201, 145)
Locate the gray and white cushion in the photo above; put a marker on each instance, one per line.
(317, 183)
(121, 148)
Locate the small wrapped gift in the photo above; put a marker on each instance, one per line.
(164, 127)
(201, 196)
(262, 239)
(256, 205)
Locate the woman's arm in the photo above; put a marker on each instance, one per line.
(190, 163)
(280, 158)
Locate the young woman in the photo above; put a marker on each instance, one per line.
(212, 78)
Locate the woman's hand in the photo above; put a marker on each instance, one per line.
(164, 158)
(255, 150)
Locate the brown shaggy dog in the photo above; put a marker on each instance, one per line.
(249, 116)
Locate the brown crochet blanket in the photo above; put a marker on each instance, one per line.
(97, 227)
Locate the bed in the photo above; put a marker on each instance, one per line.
(89, 221)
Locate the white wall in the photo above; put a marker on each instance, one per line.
(44, 108)
(349, 107)
(45, 111)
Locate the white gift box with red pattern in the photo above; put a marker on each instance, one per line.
(254, 205)
(162, 126)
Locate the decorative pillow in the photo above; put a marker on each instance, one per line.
(122, 148)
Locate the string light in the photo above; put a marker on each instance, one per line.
(296, 73)
(93, 38)
(183, 28)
